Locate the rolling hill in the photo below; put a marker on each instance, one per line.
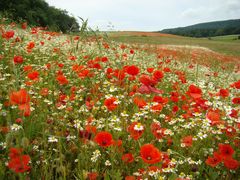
(209, 29)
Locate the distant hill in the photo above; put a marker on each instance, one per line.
(209, 29)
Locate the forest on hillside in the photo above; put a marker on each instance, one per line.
(210, 29)
(38, 13)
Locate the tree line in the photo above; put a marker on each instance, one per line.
(38, 13)
(210, 29)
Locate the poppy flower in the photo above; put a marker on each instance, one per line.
(18, 59)
(104, 139)
(187, 141)
(230, 131)
(147, 81)
(194, 91)
(24, 25)
(150, 154)
(119, 74)
(231, 164)
(136, 130)
(15, 152)
(214, 116)
(62, 80)
(33, 75)
(157, 130)
(127, 158)
(234, 113)
(157, 108)
(92, 176)
(27, 68)
(224, 93)
(148, 90)
(18, 163)
(225, 150)
(215, 160)
(19, 97)
(150, 70)
(130, 178)
(158, 75)
(30, 45)
(132, 70)
(110, 103)
(161, 100)
(25, 108)
(236, 85)
(140, 102)
(174, 97)
(236, 100)
(8, 34)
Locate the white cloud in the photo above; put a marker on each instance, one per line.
(149, 15)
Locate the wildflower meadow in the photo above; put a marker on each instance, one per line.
(81, 106)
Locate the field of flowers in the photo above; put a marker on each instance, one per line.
(77, 107)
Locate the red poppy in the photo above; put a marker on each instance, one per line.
(8, 34)
(127, 158)
(24, 25)
(166, 69)
(25, 108)
(214, 116)
(133, 70)
(15, 152)
(215, 160)
(104, 139)
(18, 162)
(174, 97)
(92, 176)
(140, 102)
(236, 100)
(225, 150)
(18, 59)
(130, 178)
(187, 141)
(150, 154)
(224, 93)
(157, 130)
(147, 81)
(149, 89)
(62, 80)
(231, 164)
(160, 99)
(27, 68)
(30, 45)
(158, 75)
(33, 75)
(230, 131)
(194, 91)
(150, 70)
(119, 74)
(157, 108)
(236, 85)
(110, 103)
(19, 97)
(136, 130)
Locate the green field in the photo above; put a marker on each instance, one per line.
(229, 45)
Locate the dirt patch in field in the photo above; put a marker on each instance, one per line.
(146, 34)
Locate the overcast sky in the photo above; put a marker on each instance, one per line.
(149, 15)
